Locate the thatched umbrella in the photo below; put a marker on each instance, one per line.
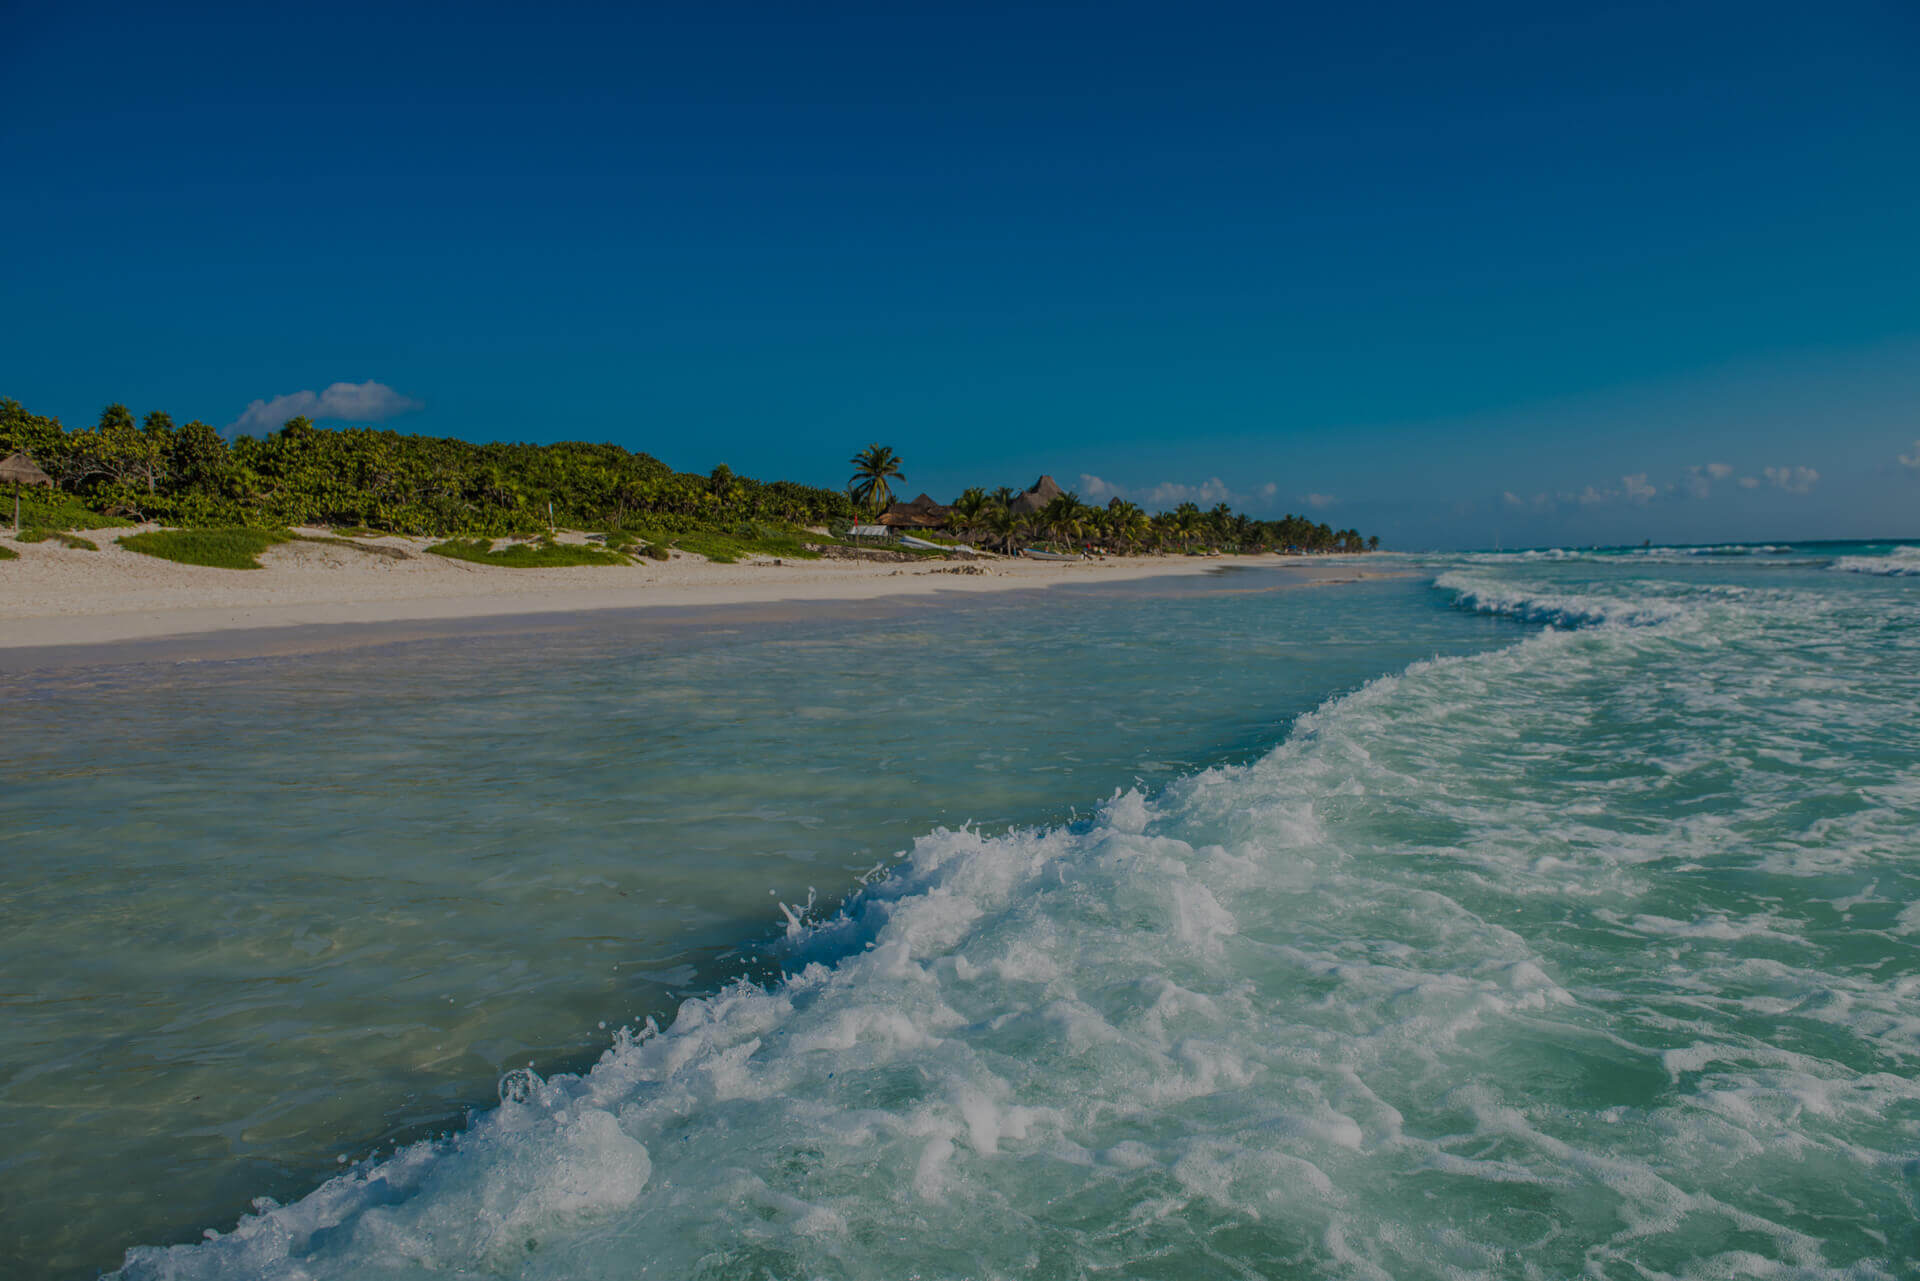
(20, 470)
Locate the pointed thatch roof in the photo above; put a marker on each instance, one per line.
(20, 470)
(921, 513)
(1043, 492)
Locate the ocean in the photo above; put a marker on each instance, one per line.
(1533, 914)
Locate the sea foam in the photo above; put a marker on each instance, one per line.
(1900, 562)
(1483, 972)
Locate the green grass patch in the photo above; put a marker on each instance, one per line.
(65, 539)
(543, 555)
(725, 546)
(7, 553)
(365, 549)
(219, 548)
(50, 509)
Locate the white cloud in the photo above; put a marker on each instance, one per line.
(1749, 482)
(1171, 494)
(1912, 460)
(1541, 502)
(1795, 480)
(1319, 502)
(1590, 496)
(1637, 489)
(1698, 482)
(367, 402)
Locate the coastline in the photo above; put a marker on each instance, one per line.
(60, 600)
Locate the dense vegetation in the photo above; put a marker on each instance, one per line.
(1121, 526)
(189, 476)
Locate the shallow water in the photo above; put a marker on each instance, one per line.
(262, 914)
(1582, 940)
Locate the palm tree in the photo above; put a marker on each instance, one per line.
(873, 467)
(970, 507)
(1006, 526)
(1064, 518)
(1127, 524)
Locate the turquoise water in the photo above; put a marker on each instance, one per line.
(262, 914)
(1534, 915)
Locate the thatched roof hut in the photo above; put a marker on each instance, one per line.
(21, 470)
(921, 513)
(18, 470)
(1043, 492)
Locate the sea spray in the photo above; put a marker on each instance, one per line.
(1583, 956)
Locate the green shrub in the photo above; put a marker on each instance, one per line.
(545, 555)
(218, 548)
(7, 553)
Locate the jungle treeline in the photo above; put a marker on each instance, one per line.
(190, 475)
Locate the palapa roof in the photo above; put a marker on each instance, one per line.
(921, 513)
(1043, 492)
(20, 470)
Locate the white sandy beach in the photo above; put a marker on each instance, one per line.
(59, 596)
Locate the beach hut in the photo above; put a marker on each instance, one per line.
(921, 513)
(20, 470)
(1044, 491)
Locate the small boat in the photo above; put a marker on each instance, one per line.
(1035, 554)
(921, 544)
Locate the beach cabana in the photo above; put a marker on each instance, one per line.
(1044, 491)
(20, 470)
(921, 513)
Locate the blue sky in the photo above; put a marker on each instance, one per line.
(1453, 274)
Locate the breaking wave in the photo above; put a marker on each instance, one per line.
(1900, 562)
(1446, 985)
(1556, 608)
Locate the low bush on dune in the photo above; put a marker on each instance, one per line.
(365, 549)
(540, 555)
(74, 541)
(726, 546)
(51, 509)
(217, 548)
(7, 553)
(629, 543)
